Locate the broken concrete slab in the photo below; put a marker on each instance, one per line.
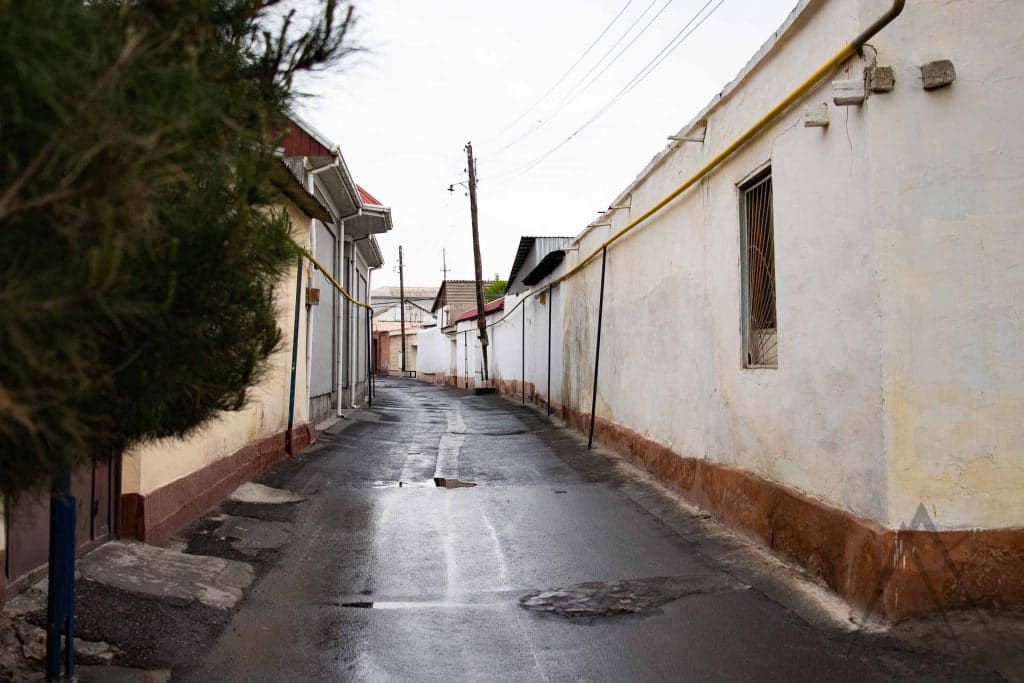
(167, 574)
(23, 650)
(252, 492)
(31, 598)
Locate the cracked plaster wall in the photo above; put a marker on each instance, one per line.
(948, 182)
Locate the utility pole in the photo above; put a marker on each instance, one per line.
(480, 322)
(444, 285)
(401, 303)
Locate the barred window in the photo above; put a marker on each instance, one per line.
(760, 332)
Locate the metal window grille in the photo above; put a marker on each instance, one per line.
(760, 328)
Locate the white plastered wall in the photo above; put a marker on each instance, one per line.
(433, 352)
(948, 184)
(671, 353)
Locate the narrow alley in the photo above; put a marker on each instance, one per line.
(449, 536)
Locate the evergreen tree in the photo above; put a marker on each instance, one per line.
(139, 246)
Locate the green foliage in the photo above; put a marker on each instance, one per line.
(139, 246)
(495, 289)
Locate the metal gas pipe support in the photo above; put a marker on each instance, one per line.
(523, 349)
(551, 305)
(597, 350)
(289, 449)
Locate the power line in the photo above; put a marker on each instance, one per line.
(576, 91)
(656, 61)
(623, 50)
(567, 72)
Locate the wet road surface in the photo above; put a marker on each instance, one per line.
(558, 564)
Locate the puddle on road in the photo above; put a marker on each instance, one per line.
(436, 482)
(403, 484)
(395, 604)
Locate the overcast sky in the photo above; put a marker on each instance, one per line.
(439, 74)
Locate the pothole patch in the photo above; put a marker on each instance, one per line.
(631, 596)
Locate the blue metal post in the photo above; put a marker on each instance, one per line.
(60, 598)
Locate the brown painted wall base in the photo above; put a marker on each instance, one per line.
(157, 515)
(889, 573)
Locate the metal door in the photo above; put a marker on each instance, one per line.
(27, 518)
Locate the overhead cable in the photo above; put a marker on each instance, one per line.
(665, 52)
(567, 72)
(576, 90)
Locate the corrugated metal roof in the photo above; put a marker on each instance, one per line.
(368, 199)
(547, 264)
(284, 177)
(525, 245)
(454, 290)
(531, 252)
(493, 307)
(410, 292)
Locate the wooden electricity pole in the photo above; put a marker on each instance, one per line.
(444, 286)
(480, 322)
(401, 303)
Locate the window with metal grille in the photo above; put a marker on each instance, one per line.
(760, 332)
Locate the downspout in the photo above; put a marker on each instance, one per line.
(342, 305)
(353, 359)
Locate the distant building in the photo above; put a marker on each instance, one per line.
(454, 298)
(387, 326)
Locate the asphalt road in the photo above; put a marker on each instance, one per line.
(389, 577)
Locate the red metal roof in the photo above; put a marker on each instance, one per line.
(299, 143)
(367, 198)
(493, 307)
